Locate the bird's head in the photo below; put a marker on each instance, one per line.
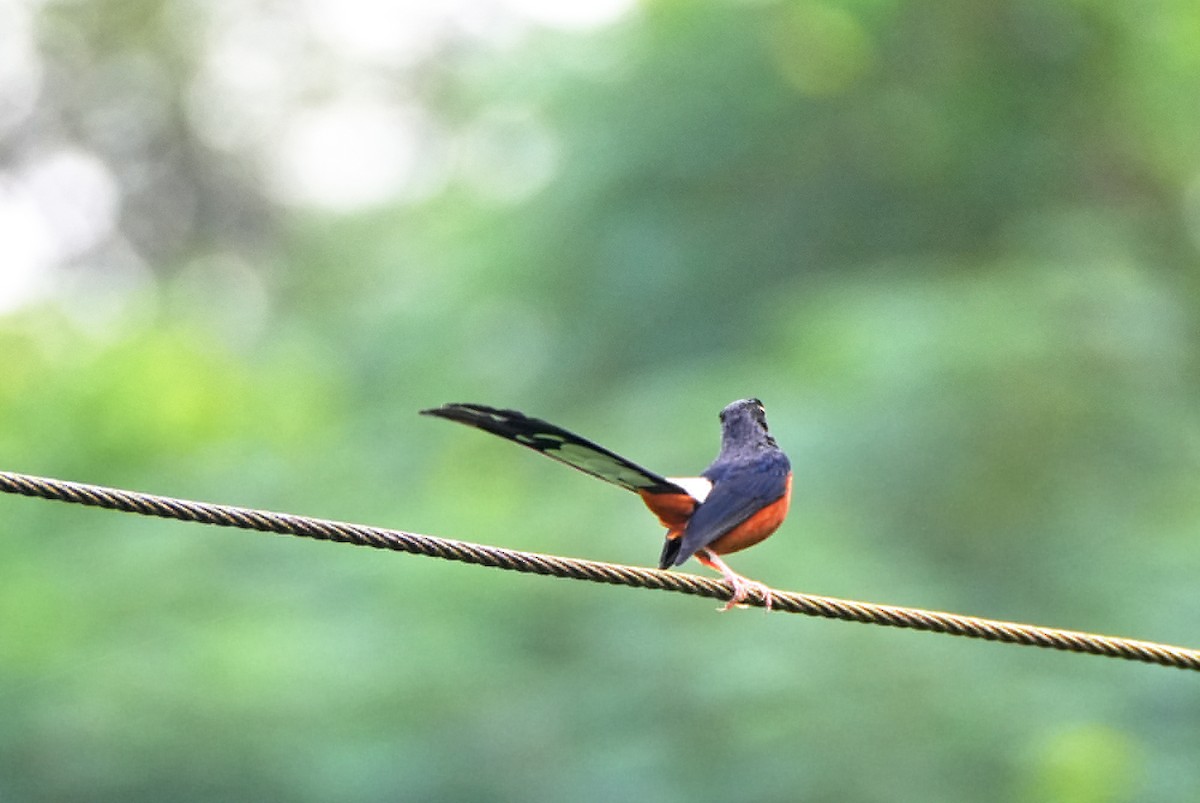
(744, 423)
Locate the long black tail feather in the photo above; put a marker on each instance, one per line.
(557, 443)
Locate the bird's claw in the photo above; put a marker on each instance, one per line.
(741, 590)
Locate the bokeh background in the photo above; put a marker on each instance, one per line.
(955, 248)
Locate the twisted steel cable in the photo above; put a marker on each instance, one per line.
(595, 571)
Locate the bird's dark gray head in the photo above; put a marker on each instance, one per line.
(744, 424)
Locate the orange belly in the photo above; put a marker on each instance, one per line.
(673, 510)
(757, 527)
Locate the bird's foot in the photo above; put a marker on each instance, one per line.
(742, 586)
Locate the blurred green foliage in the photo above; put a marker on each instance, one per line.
(952, 246)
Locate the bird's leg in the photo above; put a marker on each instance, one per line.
(741, 585)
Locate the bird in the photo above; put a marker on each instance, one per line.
(738, 501)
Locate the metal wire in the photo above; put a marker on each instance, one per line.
(595, 571)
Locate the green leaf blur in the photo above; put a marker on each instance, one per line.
(955, 248)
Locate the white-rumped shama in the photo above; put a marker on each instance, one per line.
(739, 500)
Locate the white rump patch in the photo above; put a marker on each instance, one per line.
(697, 487)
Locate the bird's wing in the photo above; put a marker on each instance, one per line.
(735, 497)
